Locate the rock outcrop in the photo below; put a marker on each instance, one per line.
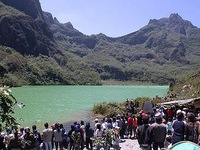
(29, 7)
(24, 29)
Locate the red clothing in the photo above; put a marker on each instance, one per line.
(135, 122)
(169, 113)
(130, 121)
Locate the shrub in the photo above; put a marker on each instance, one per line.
(7, 103)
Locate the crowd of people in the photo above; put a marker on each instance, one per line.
(159, 129)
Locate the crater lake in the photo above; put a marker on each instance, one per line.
(66, 104)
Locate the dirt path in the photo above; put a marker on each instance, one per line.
(129, 144)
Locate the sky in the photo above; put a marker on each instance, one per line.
(116, 18)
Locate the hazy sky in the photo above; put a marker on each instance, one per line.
(118, 17)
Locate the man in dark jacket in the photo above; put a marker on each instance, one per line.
(89, 133)
(143, 134)
(158, 132)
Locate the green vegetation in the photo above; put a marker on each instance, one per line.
(7, 103)
(111, 108)
(17, 70)
(155, 54)
(187, 87)
(107, 109)
(48, 52)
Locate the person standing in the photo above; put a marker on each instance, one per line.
(103, 124)
(130, 125)
(71, 140)
(29, 138)
(98, 134)
(116, 138)
(89, 133)
(114, 122)
(58, 137)
(143, 134)
(120, 122)
(109, 123)
(158, 132)
(15, 143)
(191, 130)
(139, 118)
(96, 123)
(135, 125)
(37, 137)
(82, 131)
(178, 129)
(8, 136)
(47, 137)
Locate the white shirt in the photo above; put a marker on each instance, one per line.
(98, 133)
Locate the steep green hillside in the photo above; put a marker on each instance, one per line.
(158, 53)
(16, 70)
(34, 57)
(37, 49)
(187, 87)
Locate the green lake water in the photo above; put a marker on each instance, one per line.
(69, 103)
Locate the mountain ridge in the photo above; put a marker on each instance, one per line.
(29, 53)
(158, 53)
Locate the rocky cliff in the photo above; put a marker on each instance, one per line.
(29, 53)
(24, 29)
(29, 7)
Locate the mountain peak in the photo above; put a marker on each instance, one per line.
(174, 23)
(68, 25)
(175, 16)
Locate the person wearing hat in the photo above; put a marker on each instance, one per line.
(158, 132)
(9, 135)
(96, 123)
(77, 137)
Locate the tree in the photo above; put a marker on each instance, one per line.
(7, 103)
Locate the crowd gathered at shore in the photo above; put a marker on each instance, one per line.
(161, 128)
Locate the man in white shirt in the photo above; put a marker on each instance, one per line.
(47, 137)
(103, 124)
